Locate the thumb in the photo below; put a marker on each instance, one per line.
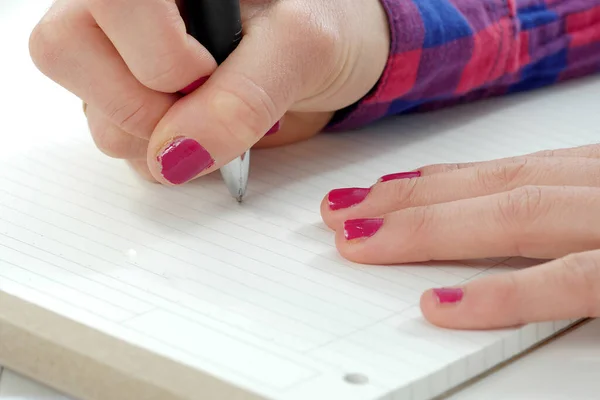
(562, 289)
(242, 101)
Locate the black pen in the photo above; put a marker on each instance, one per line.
(217, 25)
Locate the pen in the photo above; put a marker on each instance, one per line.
(217, 25)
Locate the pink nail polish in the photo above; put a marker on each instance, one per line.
(362, 228)
(448, 295)
(274, 129)
(194, 85)
(183, 159)
(344, 198)
(400, 175)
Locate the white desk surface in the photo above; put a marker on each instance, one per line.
(566, 368)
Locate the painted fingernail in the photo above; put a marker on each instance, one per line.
(400, 175)
(344, 198)
(183, 159)
(274, 129)
(194, 85)
(362, 228)
(448, 295)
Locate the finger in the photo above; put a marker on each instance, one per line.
(151, 37)
(234, 109)
(566, 288)
(535, 222)
(588, 151)
(141, 168)
(295, 127)
(489, 178)
(69, 48)
(113, 141)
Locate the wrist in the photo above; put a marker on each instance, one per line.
(372, 60)
(375, 44)
(363, 48)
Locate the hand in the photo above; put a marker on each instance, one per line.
(544, 205)
(130, 60)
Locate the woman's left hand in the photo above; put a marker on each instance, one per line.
(544, 205)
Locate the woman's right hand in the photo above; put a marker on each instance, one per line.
(129, 60)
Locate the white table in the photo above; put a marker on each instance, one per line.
(567, 368)
(564, 369)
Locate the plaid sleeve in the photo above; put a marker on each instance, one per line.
(445, 52)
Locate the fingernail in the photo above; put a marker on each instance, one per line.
(344, 198)
(274, 129)
(361, 228)
(400, 175)
(183, 159)
(194, 85)
(448, 295)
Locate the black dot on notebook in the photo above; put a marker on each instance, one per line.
(356, 379)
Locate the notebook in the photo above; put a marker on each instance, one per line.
(115, 288)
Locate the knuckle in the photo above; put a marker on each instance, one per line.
(243, 109)
(160, 73)
(108, 143)
(501, 177)
(314, 33)
(310, 27)
(445, 168)
(581, 275)
(545, 153)
(594, 151)
(517, 211)
(421, 221)
(115, 143)
(521, 205)
(589, 151)
(128, 115)
(47, 45)
(102, 4)
(440, 168)
(404, 192)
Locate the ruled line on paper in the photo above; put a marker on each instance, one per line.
(158, 299)
(69, 218)
(79, 304)
(229, 250)
(329, 268)
(372, 270)
(265, 189)
(254, 363)
(51, 272)
(171, 346)
(299, 211)
(97, 306)
(193, 197)
(163, 271)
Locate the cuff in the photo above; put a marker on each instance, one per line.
(438, 52)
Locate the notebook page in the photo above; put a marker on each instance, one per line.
(256, 294)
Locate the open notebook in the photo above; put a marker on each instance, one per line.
(185, 294)
(113, 288)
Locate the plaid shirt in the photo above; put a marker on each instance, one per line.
(445, 52)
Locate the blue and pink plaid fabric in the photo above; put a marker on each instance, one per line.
(445, 52)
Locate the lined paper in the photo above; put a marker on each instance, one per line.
(256, 294)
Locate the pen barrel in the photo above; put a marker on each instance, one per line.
(216, 24)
